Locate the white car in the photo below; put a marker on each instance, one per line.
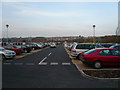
(52, 45)
(5, 54)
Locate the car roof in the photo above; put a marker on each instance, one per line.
(88, 43)
(106, 48)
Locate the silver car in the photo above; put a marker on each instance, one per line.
(5, 54)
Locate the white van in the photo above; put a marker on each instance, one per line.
(82, 47)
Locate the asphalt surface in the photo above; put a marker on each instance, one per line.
(49, 68)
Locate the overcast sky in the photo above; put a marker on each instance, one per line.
(59, 18)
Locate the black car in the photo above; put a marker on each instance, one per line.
(27, 48)
(35, 46)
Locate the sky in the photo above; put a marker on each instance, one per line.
(54, 19)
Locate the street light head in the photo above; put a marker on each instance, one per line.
(7, 25)
(94, 25)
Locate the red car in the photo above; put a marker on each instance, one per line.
(100, 57)
(17, 50)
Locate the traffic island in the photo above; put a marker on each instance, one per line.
(104, 73)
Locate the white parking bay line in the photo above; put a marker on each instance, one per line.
(44, 63)
(42, 60)
(18, 63)
(30, 64)
(53, 63)
(49, 54)
(66, 64)
(7, 63)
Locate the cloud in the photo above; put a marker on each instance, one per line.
(28, 9)
(31, 12)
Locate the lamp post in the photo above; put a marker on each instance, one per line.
(7, 31)
(93, 33)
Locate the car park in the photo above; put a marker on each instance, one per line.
(6, 54)
(78, 48)
(18, 50)
(100, 57)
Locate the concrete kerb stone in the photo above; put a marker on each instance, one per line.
(91, 77)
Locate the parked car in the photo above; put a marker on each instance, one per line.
(26, 48)
(101, 56)
(117, 46)
(5, 54)
(106, 45)
(35, 46)
(17, 50)
(53, 45)
(78, 48)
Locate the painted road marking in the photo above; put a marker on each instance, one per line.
(9, 60)
(18, 63)
(53, 63)
(42, 60)
(66, 64)
(7, 63)
(30, 64)
(49, 54)
(44, 63)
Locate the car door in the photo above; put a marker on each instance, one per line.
(116, 56)
(106, 57)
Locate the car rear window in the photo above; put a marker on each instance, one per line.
(115, 52)
(90, 51)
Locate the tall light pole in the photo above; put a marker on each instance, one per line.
(93, 33)
(7, 31)
(117, 34)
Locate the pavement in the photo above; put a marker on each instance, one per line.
(48, 68)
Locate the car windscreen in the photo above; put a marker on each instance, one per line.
(17, 46)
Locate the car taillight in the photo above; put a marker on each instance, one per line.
(73, 50)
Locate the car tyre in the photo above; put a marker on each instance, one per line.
(97, 65)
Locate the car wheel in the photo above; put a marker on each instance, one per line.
(97, 65)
